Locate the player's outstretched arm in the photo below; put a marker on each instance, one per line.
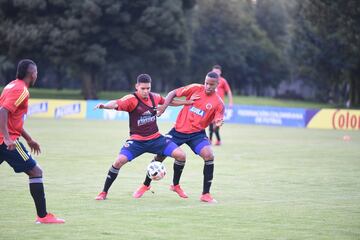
(34, 146)
(169, 98)
(109, 105)
(180, 102)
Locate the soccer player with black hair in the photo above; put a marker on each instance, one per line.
(222, 90)
(190, 128)
(144, 133)
(13, 107)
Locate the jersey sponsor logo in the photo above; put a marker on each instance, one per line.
(208, 106)
(147, 113)
(67, 110)
(197, 111)
(146, 119)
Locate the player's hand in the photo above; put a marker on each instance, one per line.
(219, 122)
(160, 110)
(99, 106)
(34, 146)
(10, 144)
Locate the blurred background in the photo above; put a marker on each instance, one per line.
(288, 49)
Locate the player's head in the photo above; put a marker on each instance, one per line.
(211, 82)
(143, 85)
(217, 68)
(27, 71)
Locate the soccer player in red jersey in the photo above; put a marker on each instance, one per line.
(13, 107)
(222, 89)
(190, 129)
(144, 133)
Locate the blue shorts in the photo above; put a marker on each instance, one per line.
(160, 145)
(196, 141)
(19, 159)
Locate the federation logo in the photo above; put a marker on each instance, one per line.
(208, 106)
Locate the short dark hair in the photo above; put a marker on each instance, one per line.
(143, 78)
(22, 68)
(217, 66)
(212, 75)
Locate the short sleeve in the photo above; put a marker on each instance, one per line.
(15, 98)
(126, 103)
(159, 100)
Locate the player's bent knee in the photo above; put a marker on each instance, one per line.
(179, 154)
(207, 154)
(159, 158)
(36, 171)
(120, 161)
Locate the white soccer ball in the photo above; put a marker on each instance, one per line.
(156, 170)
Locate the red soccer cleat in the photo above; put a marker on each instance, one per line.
(101, 196)
(49, 219)
(178, 190)
(141, 190)
(218, 143)
(207, 198)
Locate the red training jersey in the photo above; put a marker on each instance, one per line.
(197, 116)
(223, 88)
(14, 98)
(129, 102)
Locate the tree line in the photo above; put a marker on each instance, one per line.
(101, 45)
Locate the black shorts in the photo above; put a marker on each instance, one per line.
(19, 158)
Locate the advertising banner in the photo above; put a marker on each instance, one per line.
(263, 115)
(341, 119)
(46, 108)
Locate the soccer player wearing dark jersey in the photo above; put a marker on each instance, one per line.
(222, 90)
(190, 129)
(144, 133)
(13, 107)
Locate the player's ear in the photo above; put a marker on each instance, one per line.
(136, 86)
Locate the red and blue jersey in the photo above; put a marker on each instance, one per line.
(142, 115)
(197, 116)
(14, 98)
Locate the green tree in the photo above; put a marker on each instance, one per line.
(85, 38)
(227, 34)
(326, 44)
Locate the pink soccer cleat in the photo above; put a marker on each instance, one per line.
(207, 198)
(140, 191)
(101, 196)
(49, 219)
(178, 190)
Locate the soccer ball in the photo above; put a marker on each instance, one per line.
(156, 170)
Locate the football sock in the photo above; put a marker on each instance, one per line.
(37, 192)
(112, 174)
(178, 168)
(217, 134)
(147, 181)
(208, 175)
(211, 131)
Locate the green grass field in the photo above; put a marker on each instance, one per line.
(270, 182)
